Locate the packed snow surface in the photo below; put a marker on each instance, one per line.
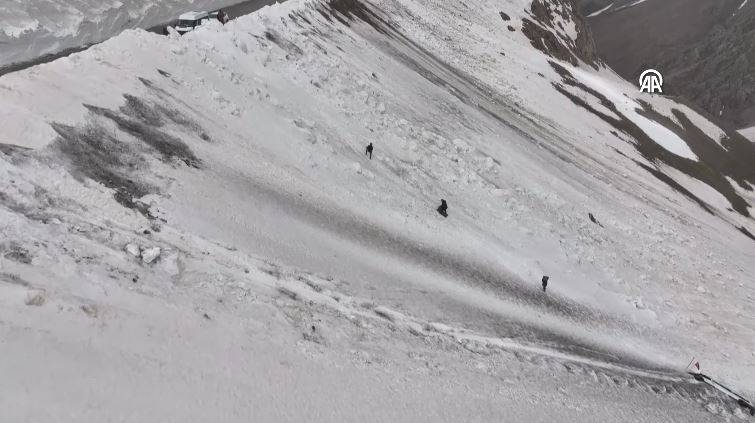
(191, 231)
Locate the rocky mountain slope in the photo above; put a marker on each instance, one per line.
(703, 48)
(190, 229)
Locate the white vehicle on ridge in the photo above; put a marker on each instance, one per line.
(189, 21)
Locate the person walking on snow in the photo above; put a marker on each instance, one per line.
(443, 208)
(222, 17)
(368, 151)
(545, 282)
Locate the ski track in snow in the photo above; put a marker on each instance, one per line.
(298, 280)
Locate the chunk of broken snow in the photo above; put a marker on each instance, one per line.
(133, 249)
(150, 254)
(169, 264)
(90, 310)
(415, 328)
(357, 168)
(173, 34)
(438, 327)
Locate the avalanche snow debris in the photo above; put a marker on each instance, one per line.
(280, 199)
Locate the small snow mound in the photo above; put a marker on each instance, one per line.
(90, 310)
(172, 33)
(462, 146)
(213, 25)
(415, 328)
(438, 327)
(475, 346)
(35, 298)
(388, 314)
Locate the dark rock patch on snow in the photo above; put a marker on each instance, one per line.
(10, 149)
(145, 129)
(96, 152)
(350, 10)
(284, 44)
(542, 32)
(15, 252)
(747, 233)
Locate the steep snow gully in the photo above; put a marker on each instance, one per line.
(190, 224)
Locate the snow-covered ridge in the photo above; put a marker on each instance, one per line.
(33, 28)
(238, 151)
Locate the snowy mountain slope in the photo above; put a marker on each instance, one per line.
(33, 28)
(239, 151)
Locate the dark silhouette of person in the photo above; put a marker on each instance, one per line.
(545, 282)
(222, 17)
(594, 220)
(368, 151)
(443, 208)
